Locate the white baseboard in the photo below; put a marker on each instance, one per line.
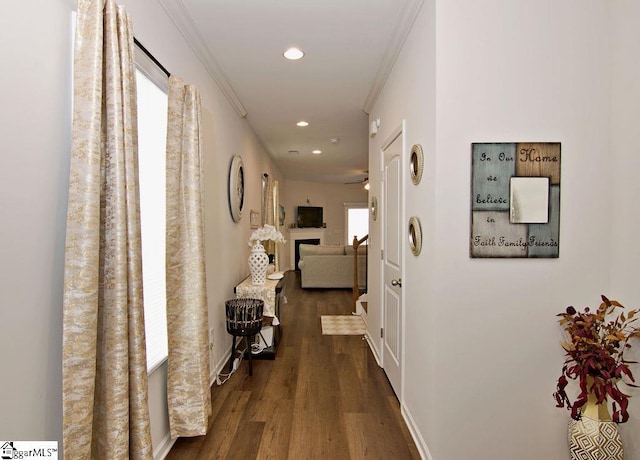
(217, 369)
(423, 450)
(161, 452)
(373, 348)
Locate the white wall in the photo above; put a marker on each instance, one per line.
(523, 70)
(35, 141)
(625, 218)
(35, 39)
(409, 95)
(482, 351)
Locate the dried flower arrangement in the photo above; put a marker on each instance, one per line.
(595, 348)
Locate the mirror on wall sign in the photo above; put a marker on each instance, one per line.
(529, 200)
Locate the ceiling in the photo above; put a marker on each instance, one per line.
(350, 47)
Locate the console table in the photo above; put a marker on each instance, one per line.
(273, 295)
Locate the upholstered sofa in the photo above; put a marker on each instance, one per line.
(331, 266)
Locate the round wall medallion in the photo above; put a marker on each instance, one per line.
(416, 163)
(236, 188)
(415, 236)
(374, 208)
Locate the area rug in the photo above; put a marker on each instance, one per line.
(342, 325)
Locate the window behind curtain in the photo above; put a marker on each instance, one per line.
(152, 134)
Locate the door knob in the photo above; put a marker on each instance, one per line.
(397, 282)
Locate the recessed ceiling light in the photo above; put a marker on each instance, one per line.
(293, 54)
(317, 152)
(303, 123)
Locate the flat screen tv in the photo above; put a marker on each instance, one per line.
(309, 216)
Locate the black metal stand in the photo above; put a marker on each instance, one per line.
(244, 319)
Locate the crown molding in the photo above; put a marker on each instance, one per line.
(402, 29)
(183, 21)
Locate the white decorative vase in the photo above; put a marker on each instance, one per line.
(594, 436)
(258, 262)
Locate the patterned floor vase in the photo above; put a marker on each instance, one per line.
(591, 439)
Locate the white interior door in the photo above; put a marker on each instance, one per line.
(392, 262)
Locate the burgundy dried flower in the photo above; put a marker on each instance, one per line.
(595, 349)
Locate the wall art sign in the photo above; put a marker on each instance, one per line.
(254, 219)
(515, 199)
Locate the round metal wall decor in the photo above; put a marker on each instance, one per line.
(415, 236)
(374, 208)
(416, 163)
(236, 188)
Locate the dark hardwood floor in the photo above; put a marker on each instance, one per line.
(323, 397)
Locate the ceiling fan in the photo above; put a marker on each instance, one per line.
(364, 182)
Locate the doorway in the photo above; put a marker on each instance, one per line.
(392, 304)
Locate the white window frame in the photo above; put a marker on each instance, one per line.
(347, 207)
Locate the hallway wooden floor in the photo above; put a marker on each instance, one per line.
(323, 397)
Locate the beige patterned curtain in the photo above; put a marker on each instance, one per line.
(105, 411)
(270, 211)
(269, 200)
(188, 389)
